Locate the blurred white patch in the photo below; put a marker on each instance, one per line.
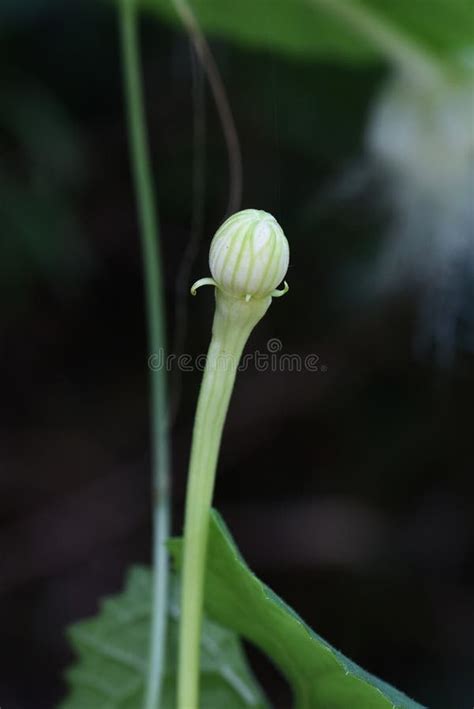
(421, 147)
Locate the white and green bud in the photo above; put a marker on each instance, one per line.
(249, 256)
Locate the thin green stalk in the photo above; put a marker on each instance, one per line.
(144, 192)
(392, 43)
(233, 322)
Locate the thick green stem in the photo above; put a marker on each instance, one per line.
(142, 174)
(234, 320)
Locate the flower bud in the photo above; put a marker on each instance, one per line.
(249, 255)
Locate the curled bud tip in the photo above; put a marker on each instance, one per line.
(202, 282)
(279, 292)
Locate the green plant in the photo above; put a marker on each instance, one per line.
(248, 259)
(112, 648)
(113, 655)
(114, 668)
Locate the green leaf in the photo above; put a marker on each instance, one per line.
(303, 28)
(321, 677)
(113, 654)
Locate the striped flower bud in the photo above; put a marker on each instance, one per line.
(249, 255)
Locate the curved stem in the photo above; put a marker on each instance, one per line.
(389, 40)
(206, 57)
(144, 192)
(234, 320)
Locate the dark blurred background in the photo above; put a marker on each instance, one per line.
(347, 489)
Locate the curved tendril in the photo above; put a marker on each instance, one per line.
(278, 293)
(211, 282)
(202, 282)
